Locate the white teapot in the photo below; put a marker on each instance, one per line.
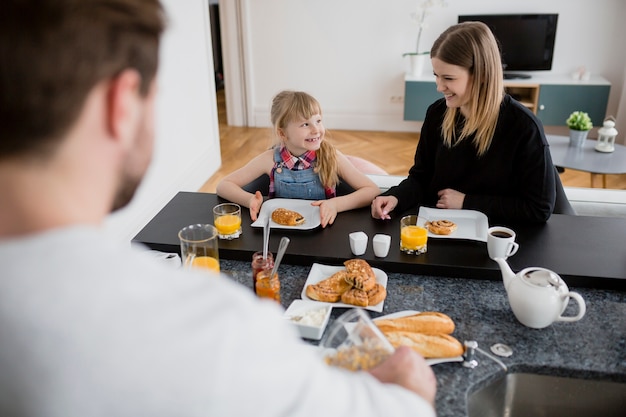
(538, 296)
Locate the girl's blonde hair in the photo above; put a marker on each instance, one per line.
(288, 106)
(471, 45)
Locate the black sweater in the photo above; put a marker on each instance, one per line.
(512, 182)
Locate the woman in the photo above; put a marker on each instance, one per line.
(479, 149)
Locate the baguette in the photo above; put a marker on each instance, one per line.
(429, 322)
(427, 345)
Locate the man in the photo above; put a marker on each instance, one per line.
(88, 328)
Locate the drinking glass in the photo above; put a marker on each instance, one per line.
(198, 247)
(413, 238)
(227, 220)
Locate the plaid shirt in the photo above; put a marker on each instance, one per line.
(295, 163)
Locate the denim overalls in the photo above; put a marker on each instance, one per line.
(302, 184)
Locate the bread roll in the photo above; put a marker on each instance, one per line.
(429, 322)
(427, 345)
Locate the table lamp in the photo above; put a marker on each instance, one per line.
(606, 137)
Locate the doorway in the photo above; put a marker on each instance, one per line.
(228, 30)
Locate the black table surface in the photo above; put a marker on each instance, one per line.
(585, 251)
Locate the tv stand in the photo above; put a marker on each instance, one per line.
(515, 76)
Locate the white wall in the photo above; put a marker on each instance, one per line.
(187, 148)
(348, 53)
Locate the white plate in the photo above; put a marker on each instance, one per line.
(320, 272)
(433, 361)
(311, 213)
(471, 224)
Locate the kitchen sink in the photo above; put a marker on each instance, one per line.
(530, 395)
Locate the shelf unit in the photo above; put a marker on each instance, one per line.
(551, 97)
(526, 94)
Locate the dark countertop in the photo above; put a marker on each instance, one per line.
(592, 348)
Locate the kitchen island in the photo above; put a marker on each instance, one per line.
(592, 348)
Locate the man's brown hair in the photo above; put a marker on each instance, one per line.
(53, 52)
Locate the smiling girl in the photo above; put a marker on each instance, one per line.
(301, 165)
(479, 148)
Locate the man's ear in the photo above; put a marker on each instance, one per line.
(124, 102)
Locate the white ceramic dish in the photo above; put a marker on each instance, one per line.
(471, 224)
(304, 207)
(320, 272)
(432, 361)
(299, 308)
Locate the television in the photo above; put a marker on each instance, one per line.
(526, 40)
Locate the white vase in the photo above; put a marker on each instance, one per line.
(577, 138)
(417, 64)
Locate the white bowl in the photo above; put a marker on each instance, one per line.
(303, 314)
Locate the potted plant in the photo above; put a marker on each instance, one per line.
(579, 124)
(417, 57)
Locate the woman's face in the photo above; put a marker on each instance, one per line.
(454, 82)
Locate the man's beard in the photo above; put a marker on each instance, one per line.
(126, 192)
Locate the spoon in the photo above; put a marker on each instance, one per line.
(266, 237)
(282, 247)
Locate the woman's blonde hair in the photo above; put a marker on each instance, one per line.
(471, 45)
(288, 106)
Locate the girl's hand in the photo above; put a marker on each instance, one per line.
(382, 206)
(328, 211)
(450, 199)
(255, 203)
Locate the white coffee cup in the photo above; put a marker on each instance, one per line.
(381, 244)
(358, 243)
(501, 242)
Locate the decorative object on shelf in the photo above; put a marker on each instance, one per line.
(579, 124)
(418, 57)
(606, 136)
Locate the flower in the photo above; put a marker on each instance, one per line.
(423, 10)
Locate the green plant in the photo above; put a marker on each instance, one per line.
(579, 120)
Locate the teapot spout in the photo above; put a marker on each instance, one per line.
(507, 272)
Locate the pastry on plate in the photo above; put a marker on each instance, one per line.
(287, 217)
(360, 274)
(330, 289)
(355, 297)
(441, 227)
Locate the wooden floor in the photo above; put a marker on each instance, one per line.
(392, 151)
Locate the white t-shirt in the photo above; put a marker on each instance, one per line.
(89, 328)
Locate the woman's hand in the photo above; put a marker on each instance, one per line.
(450, 199)
(328, 211)
(255, 203)
(382, 206)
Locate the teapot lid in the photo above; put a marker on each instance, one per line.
(542, 278)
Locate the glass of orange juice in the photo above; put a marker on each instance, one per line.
(198, 247)
(227, 220)
(413, 238)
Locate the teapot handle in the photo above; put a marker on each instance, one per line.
(582, 308)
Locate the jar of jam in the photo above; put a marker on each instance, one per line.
(259, 264)
(268, 287)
